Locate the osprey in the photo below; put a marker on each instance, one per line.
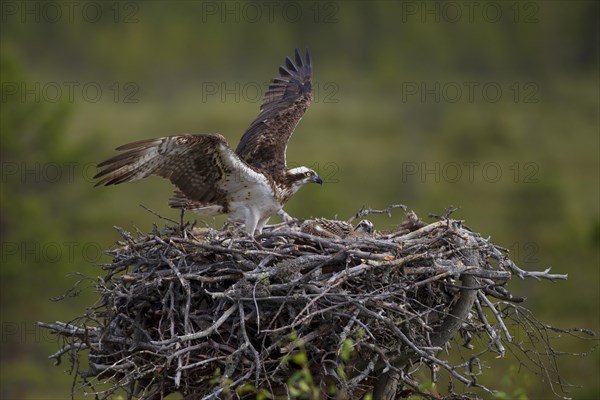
(250, 184)
(334, 229)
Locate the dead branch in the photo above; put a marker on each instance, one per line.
(204, 312)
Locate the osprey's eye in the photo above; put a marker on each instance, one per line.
(308, 174)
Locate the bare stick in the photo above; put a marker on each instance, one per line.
(210, 311)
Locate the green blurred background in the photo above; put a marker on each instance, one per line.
(489, 106)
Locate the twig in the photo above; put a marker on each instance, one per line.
(207, 311)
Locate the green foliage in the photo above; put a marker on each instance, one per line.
(248, 388)
(41, 229)
(517, 394)
(301, 384)
(346, 350)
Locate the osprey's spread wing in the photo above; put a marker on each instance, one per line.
(203, 167)
(264, 143)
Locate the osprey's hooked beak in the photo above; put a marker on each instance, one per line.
(316, 179)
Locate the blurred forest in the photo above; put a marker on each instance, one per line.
(492, 107)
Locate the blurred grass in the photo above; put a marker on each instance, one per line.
(364, 133)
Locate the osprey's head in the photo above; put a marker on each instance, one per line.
(295, 178)
(300, 176)
(364, 228)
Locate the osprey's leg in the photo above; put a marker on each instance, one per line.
(251, 223)
(261, 224)
(181, 218)
(286, 217)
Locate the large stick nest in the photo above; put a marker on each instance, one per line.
(216, 314)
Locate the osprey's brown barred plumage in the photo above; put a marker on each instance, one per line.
(250, 184)
(334, 229)
(264, 143)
